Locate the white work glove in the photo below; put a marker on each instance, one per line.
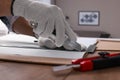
(68, 45)
(48, 18)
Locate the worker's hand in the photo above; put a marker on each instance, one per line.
(68, 45)
(47, 19)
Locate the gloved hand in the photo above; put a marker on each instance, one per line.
(68, 45)
(48, 18)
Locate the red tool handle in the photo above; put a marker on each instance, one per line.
(77, 61)
(86, 64)
(100, 63)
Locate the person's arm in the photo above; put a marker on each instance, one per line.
(47, 19)
(5, 7)
(22, 26)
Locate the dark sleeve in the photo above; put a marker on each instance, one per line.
(6, 21)
(9, 20)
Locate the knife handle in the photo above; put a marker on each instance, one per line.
(100, 63)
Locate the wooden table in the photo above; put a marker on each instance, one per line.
(25, 71)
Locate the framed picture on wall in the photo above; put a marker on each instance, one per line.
(89, 18)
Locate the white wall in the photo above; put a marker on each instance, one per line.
(109, 14)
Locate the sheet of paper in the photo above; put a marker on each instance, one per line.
(28, 40)
(3, 29)
(24, 40)
(87, 41)
(42, 53)
(44, 56)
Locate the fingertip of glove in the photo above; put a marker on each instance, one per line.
(59, 43)
(48, 43)
(71, 45)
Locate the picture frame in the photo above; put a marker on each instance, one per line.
(89, 18)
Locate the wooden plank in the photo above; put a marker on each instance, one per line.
(33, 59)
(108, 45)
